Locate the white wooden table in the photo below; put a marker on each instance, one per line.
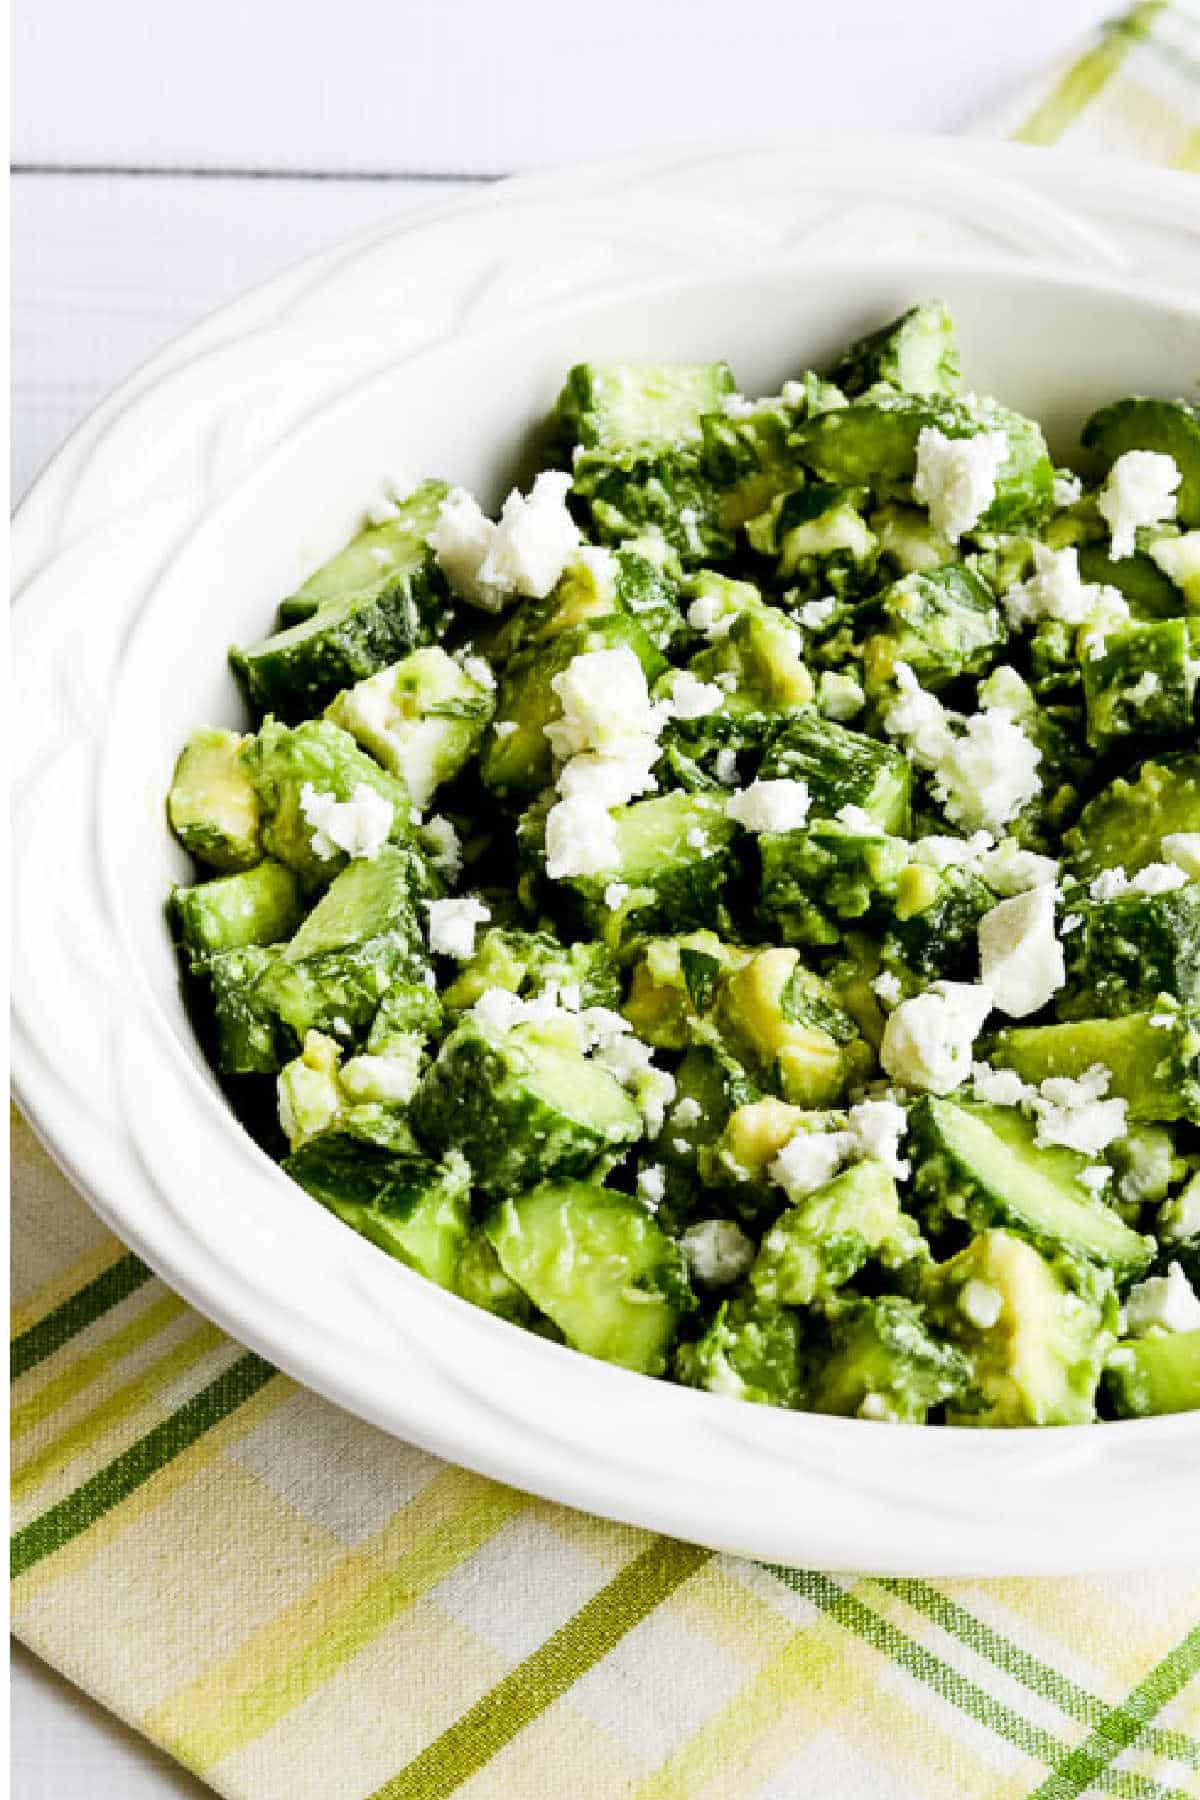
(168, 155)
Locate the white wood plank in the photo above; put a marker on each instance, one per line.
(106, 268)
(466, 85)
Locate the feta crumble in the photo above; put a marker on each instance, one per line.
(581, 838)
(956, 477)
(652, 1186)
(1074, 1112)
(442, 838)
(452, 926)
(888, 988)
(1141, 489)
(1067, 488)
(390, 1077)
(1000, 1087)
(693, 699)
(480, 671)
(839, 697)
(980, 1303)
(718, 1252)
(524, 553)
(687, 1112)
(1020, 957)
(725, 767)
(983, 769)
(615, 895)
(927, 1041)
(1183, 849)
(359, 826)
(1163, 1303)
(816, 613)
(1056, 590)
(770, 806)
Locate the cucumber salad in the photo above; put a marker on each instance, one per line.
(737, 913)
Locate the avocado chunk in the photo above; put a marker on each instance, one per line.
(258, 906)
(981, 1164)
(1123, 827)
(1143, 683)
(747, 455)
(212, 806)
(878, 1360)
(521, 1105)
(1127, 951)
(422, 719)
(1035, 1344)
(288, 765)
(815, 1248)
(812, 882)
(841, 768)
(747, 1352)
(415, 1209)
(1172, 427)
(918, 353)
(674, 855)
(363, 935)
(942, 622)
(378, 598)
(480, 1279)
(596, 1263)
(785, 1024)
(674, 984)
(1153, 1058)
(530, 961)
(1154, 1375)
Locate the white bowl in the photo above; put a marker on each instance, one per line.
(209, 486)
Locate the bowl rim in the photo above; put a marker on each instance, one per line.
(600, 1491)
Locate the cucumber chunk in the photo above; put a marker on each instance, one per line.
(1143, 683)
(632, 406)
(942, 622)
(674, 855)
(249, 1039)
(980, 1164)
(812, 882)
(879, 1360)
(212, 806)
(415, 1209)
(283, 761)
(258, 906)
(597, 1264)
(1172, 427)
(1128, 951)
(747, 1352)
(1126, 822)
(1153, 1058)
(841, 768)
(422, 719)
(918, 353)
(380, 597)
(1154, 1375)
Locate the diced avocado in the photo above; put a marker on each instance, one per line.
(283, 761)
(674, 983)
(310, 1097)
(748, 1352)
(521, 1105)
(423, 718)
(1153, 1058)
(1177, 559)
(415, 1209)
(907, 541)
(818, 536)
(596, 1263)
(918, 353)
(813, 881)
(761, 660)
(784, 1022)
(1036, 1345)
(752, 1137)
(363, 935)
(934, 923)
(1127, 951)
(1171, 427)
(1126, 822)
(380, 597)
(480, 1279)
(316, 1093)
(980, 1164)
(842, 768)
(248, 1038)
(817, 1246)
(879, 1361)
(874, 442)
(942, 622)
(520, 761)
(636, 406)
(529, 962)
(673, 854)
(1143, 683)
(258, 906)
(1154, 1375)
(212, 805)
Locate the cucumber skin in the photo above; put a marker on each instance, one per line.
(1171, 427)
(261, 905)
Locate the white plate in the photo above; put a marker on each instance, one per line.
(210, 483)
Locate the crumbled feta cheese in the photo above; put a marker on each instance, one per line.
(1000, 1087)
(712, 615)
(726, 681)
(808, 1160)
(446, 845)
(652, 1185)
(359, 825)
(1179, 1218)
(878, 1128)
(504, 728)
(770, 806)
(1140, 490)
(480, 671)
(390, 1077)
(839, 697)
(980, 1303)
(952, 852)
(460, 540)
(386, 504)
(697, 838)
(1009, 870)
(1177, 557)
(1143, 689)
(581, 838)
(1109, 884)
(1020, 958)
(524, 553)
(718, 1252)
(615, 895)
(1056, 590)
(856, 819)
(1067, 488)
(452, 926)
(1074, 1113)
(654, 1091)
(815, 613)
(693, 699)
(984, 768)
(874, 1406)
(1183, 849)
(611, 778)
(725, 767)
(1071, 923)
(956, 477)
(927, 1041)
(1163, 1303)
(1158, 878)
(888, 988)
(605, 701)
(687, 1112)
(497, 1010)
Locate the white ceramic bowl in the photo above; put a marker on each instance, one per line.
(211, 483)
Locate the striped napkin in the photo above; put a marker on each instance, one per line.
(298, 1607)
